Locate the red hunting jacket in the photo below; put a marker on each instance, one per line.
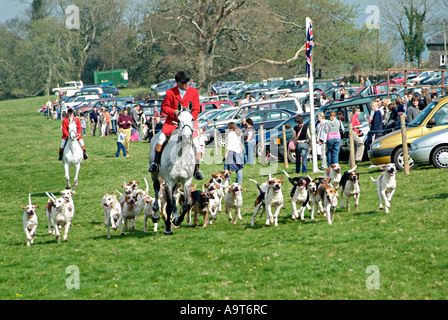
(169, 106)
(65, 124)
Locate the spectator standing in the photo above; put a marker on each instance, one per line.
(393, 118)
(135, 117)
(333, 129)
(301, 136)
(83, 124)
(362, 82)
(413, 110)
(244, 127)
(63, 110)
(368, 83)
(234, 157)
(202, 139)
(114, 118)
(48, 107)
(120, 146)
(359, 145)
(321, 138)
(125, 123)
(94, 120)
(250, 141)
(376, 126)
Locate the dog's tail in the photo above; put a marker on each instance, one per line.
(51, 196)
(147, 187)
(373, 179)
(258, 186)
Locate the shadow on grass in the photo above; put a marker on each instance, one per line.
(436, 196)
(357, 213)
(137, 234)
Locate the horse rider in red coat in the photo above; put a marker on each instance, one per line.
(65, 134)
(183, 94)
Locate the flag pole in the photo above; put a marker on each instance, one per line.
(311, 94)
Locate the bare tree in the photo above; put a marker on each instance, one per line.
(215, 38)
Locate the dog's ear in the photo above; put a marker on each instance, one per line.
(36, 206)
(308, 180)
(382, 166)
(21, 206)
(241, 187)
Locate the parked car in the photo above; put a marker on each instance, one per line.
(216, 105)
(389, 148)
(225, 116)
(87, 106)
(119, 102)
(74, 101)
(68, 88)
(431, 149)
(409, 76)
(273, 138)
(266, 118)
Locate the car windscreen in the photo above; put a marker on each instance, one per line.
(423, 114)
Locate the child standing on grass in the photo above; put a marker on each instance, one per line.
(120, 145)
(83, 124)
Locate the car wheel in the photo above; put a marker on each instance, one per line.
(440, 157)
(221, 140)
(398, 159)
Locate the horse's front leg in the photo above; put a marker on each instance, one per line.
(75, 181)
(67, 175)
(169, 209)
(187, 202)
(155, 206)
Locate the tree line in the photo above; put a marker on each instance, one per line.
(210, 39)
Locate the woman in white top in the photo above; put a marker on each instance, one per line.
(234, 156)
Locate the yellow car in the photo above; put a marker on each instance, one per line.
(389, 148)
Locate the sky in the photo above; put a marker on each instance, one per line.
(11, 9)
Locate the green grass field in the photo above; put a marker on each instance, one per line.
(406, 249)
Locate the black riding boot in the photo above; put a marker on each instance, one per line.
(198, 173)
(60, 154)
(154, 167)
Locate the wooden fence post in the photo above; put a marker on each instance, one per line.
(352, 146)
(285, 147)
(262, 159)
(404, 141)
(215, 139)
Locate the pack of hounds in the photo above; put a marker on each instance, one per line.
(320, 194)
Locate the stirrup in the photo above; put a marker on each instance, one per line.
(198, 175)
(154, 167)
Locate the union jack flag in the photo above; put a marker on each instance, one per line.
(309, 46)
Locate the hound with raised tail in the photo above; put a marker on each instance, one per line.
(29, 221)
(386, 185)
(349, 186)
(112, 213)
(233, 200)
(215, 192)
(312, 189)
(327, 200)
(270, 195)
(60, 216)
(299, 195)
(334, 173)
(129, 210)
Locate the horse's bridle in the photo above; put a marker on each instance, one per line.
(185, 125)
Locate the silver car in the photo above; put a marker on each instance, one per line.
(431, 149)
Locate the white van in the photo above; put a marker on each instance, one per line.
(76, 100)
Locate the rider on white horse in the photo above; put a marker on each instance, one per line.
(65, 134)
(183, 94)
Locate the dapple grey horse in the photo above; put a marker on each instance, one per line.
(177, 165)
(73, 154)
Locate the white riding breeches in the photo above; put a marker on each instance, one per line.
(64, 141)
(196, 142)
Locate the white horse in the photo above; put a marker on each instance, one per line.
(177, 165)
(73, 154)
